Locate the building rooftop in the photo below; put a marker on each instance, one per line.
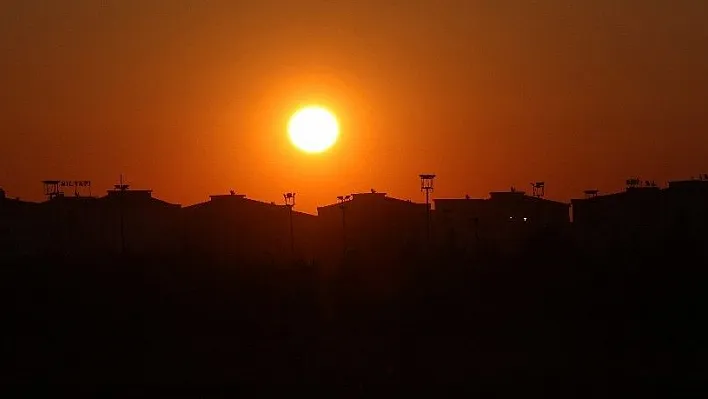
(373, 196)
(507, 194)
(461, 200)
(227, 197)
(689, 184)
(131, 193)
(630, 192)
(240, 200)
(500, 196)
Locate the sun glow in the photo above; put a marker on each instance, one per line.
(313, 129)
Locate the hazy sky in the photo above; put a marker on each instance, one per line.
(191, 98)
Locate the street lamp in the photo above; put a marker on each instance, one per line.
(426, 184)
(290, 203)
(342, 200)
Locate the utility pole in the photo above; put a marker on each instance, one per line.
(290, 203)
(426, 185)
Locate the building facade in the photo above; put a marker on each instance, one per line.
(241, 229)
(371, 227)
(505, 221)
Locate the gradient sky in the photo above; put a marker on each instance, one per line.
(191, 98)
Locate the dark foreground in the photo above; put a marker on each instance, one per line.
(560, 319)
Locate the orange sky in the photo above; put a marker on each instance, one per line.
(191, 98)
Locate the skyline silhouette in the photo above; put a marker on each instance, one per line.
(83, 188)
(484, 94)
(373, 226)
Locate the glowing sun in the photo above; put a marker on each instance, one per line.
(313, 129)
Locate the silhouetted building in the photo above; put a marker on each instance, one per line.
(238, 228)
(686, 208)
(505, 221)
(366, 229)
(122, 222)
(372, 228)
(634, 215)
(71, 226)
(17, 235)
(137, 223)
(687, 201)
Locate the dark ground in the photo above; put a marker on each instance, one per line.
(558, 320)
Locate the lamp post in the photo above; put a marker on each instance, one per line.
(290, 203)
(426, 185)
(121, 188)
(342, 200)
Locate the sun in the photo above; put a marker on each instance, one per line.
(313, 129)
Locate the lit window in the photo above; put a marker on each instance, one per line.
(525, 219)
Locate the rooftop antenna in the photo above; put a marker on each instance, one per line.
(121, 186)
(427, 185)
(539, 189)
